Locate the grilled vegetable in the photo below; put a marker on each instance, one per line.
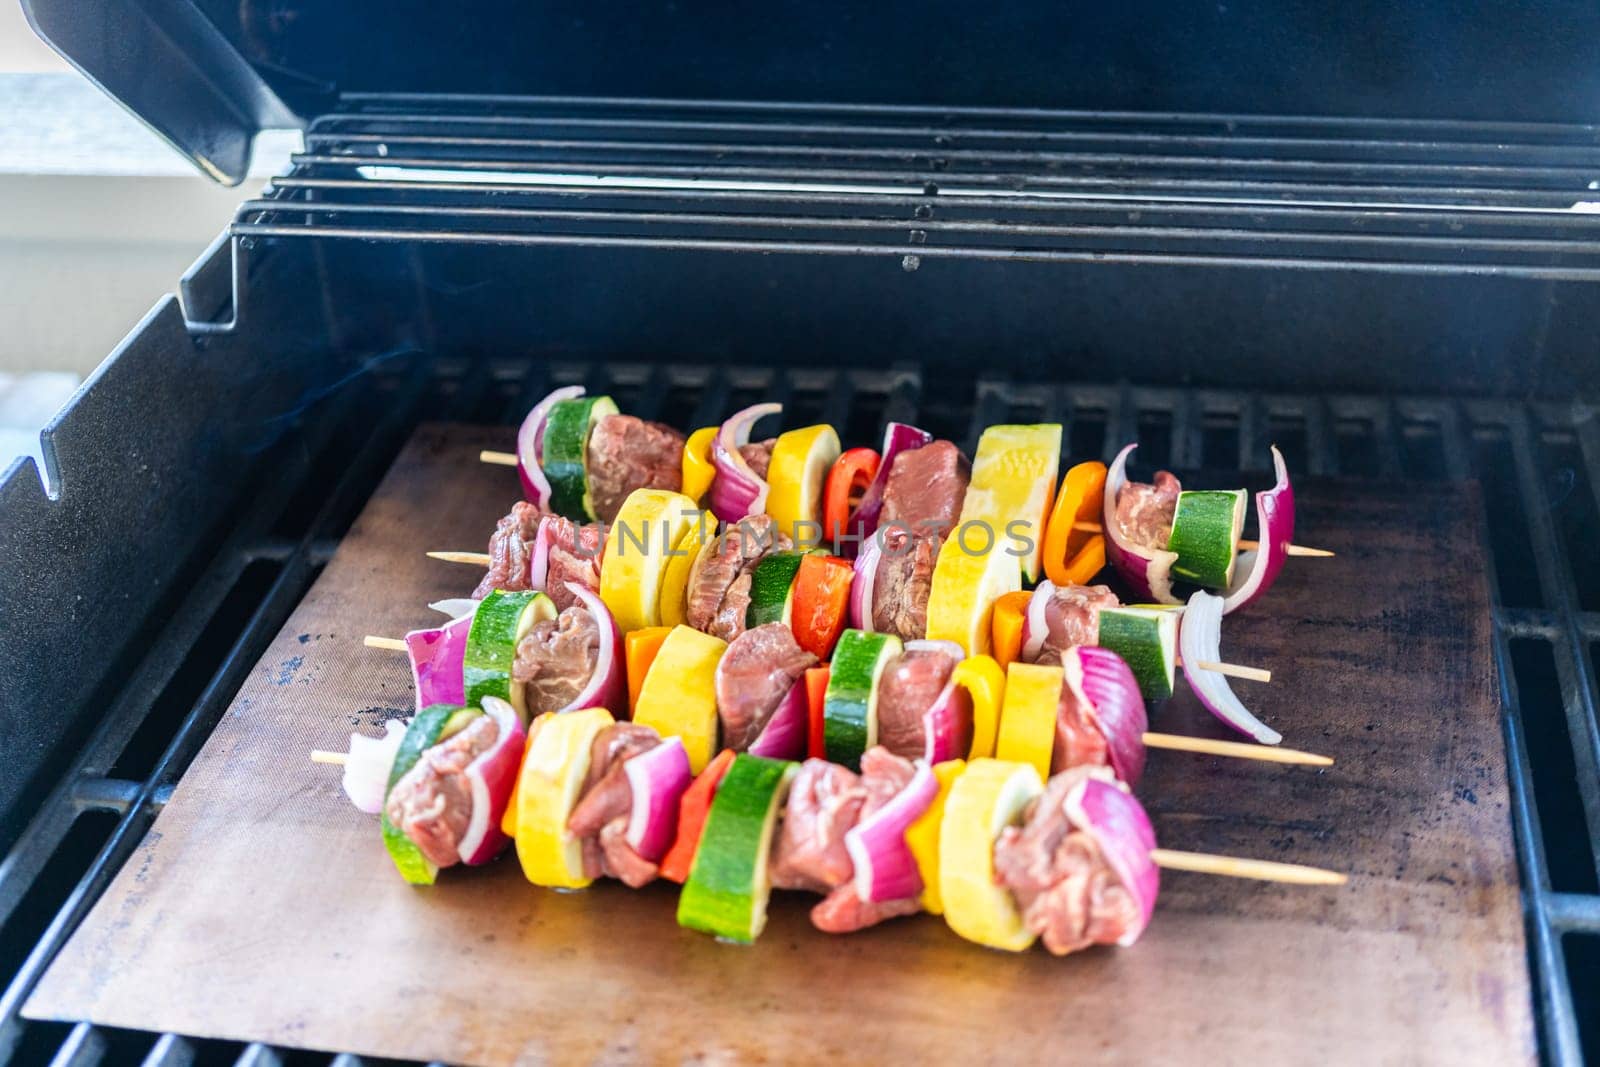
(800, 462)
(850, 709)
(679, 695)
(565, 454)
(1072, 556)
(641, 649)
(698, 470)
(922, 836)
(1028, 721)
(1205, 536)
(737, 491)
(673, 607)
(772, 589)
(988, 796)
(1146, 637)
(1013, 481)
(1006, 627)
(640, 550)
(850, 476)
(821, 603)
(553, 770)
(692, 811)
(422, 734)
(728, 886)
(502, 619)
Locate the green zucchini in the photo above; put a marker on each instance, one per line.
(564, 453)
(1205, 535)
(728, 885)
(425, 730)
(499, 623)
(850, 706)
(1147, 638)
(772, 589)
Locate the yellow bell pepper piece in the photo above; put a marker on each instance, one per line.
(553, 771)
(640, 549)
(985, 683)
(1028, 716)
(698, 470)
(674, 605)
(800, 461)
(1074, 557)
(679, 695)
(988, 796)
(922, 836)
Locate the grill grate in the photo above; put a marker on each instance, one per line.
(1538, 464)
(1318, 194)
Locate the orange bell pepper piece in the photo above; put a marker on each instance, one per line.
(693, 807)
(821, 605)
(1074, 557)
(639, 648)
(816, 697)
(1005, 631)
(849, 477)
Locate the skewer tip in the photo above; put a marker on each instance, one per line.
(389, 644)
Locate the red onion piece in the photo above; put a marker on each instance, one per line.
(436, 657)
(861, 585)
(897, 438)
(1035, 627)
(530, 446)
(884, 866)
(1108, 688)
(736, 491)
(490, 778)
(1118, 823)
(658, 779)
(539, 562)
(455, 607)
(949, 718)
(1200, 640)
(1147, 571)
(784, 736)
(1257, 570)
(608, 685)
(366, 771)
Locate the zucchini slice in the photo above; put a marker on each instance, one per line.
(425, 730)
(850, 706)
(728, 886)
(566, 453)
(772, 589)
(1205, 535)
(502, 619)
(1146, 636)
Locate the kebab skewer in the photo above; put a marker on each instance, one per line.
(1004, 857)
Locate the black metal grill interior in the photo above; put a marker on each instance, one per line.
(315, 267)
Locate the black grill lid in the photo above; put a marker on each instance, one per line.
(207, 74)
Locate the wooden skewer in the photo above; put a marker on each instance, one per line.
(1200, 862)
(1236, 750)
(1233, 867)
(503, 459)
(1234, 670)
(477, 559)
(1244, 543)
(392, 644)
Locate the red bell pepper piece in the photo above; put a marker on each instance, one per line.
(816, 696)
(693, 807)
(849, 477)
(821, 605)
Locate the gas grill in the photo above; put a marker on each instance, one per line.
(1390, 273)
